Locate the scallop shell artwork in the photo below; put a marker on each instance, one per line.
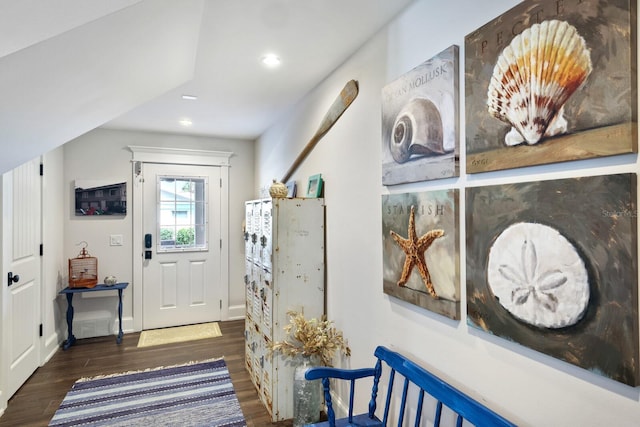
(534, 77)
(417, 130)
(538, 276)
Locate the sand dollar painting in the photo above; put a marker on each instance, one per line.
(553, 265)
(538, 276)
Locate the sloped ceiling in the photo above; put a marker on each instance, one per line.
(27, 22)
(77, 76)
(69, 66)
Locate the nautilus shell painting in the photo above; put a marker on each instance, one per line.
(546, 84)
(421, 250)
(553, 265)
(420, 122)
(417, 131)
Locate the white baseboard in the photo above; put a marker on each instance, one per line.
(99, 323)
(51, 346)
(127, 325)
(236, 312)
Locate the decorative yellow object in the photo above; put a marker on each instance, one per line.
(278, 190)
(311, 338)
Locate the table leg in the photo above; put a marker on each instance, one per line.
(70, 338)
(119, 339)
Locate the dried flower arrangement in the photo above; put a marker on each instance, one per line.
(311, 338)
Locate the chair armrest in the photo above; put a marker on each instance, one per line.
(327, 373)
(343, 374)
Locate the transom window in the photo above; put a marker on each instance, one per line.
(182, 214)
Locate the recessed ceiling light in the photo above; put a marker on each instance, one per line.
(271, 60)
(190, 97)
(186, 122)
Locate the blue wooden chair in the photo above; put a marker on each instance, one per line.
(445, 395)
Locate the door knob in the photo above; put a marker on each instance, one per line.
(11, 279)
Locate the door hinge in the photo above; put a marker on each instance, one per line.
(41, 169)
(220, 243)
(220, 182)
(41, 249)
(41, 330)
(220, 304)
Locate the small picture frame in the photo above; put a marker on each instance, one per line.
(291, 189)
(314, 188)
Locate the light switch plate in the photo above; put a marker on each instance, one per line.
(115, 240)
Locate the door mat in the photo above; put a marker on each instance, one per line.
(194, 394)
(179, 334)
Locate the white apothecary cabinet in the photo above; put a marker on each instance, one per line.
(285, 270)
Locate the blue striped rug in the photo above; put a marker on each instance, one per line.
(195, 394)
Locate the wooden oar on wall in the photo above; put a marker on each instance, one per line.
(339, 106)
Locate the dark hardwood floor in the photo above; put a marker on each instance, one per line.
(37, 400)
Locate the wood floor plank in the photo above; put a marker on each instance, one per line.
(37, 400)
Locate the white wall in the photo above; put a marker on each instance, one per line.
(528, 387)
(102, 154)
(54, 264)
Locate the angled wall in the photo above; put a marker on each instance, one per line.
(528, 387)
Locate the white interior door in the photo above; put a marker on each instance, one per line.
(21, 207)
(181, 222)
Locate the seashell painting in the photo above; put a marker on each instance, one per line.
(420, 122)
(538, 276)
(421, 249)
(417, 131)
(548, 84)
(553, 265)
(534, 77)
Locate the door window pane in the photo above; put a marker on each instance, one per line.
(182, 214)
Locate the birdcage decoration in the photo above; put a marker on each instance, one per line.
(83, 270)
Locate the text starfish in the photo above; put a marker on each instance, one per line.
(414, 249)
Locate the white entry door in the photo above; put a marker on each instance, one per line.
(182, 245)
(21, 206)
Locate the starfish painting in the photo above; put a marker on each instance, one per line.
(414, 249)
